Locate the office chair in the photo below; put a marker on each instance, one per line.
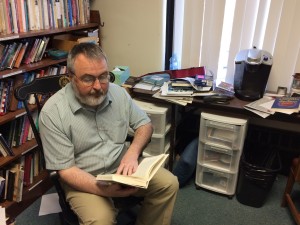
(46, 86)
(287, 199)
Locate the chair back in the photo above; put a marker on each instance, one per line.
(46, 86)
(40, 86)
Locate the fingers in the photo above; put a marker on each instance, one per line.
(126, 169)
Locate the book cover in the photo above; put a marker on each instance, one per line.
(45, 14)
(9, 93)
(28, 50)
(2, 187)
(21, 15)
(21, 55)
(286, 104)
(7, 55)
(13, 59)
(18, 81)
(28, 58)
(14, 16)
(3, 99)
(32, 57)
(31, 15)
(6, 146)
(39, 51)
(27, 170)
(2, 151)
(2, 18)
(10, 184)
(7, 17)
(145, 171)
(156, 79)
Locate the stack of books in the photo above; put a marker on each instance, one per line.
(287, 105)
(183, 87)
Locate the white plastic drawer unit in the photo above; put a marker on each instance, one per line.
(159, 144)
(215, 180)
(160, 115)
(223, 131)
(215, 157)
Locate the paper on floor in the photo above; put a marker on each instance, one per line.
(49, 204)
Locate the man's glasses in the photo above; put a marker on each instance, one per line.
(89, 80)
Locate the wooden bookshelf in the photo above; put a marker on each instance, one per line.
(41, 182)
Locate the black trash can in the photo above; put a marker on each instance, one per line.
(256, 181)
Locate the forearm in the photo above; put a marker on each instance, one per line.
(80, 180)
(141, 138)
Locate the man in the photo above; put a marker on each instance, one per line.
(83, 129)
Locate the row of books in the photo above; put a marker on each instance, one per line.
(27, 51)
(5, 149)
(19, 175)
(8, 85)
(18, 131)
(17, 16)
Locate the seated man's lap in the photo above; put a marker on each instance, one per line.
(90, 207)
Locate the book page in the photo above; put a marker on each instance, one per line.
(149, 165)
(145, 171)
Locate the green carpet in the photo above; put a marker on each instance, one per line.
(201, 207)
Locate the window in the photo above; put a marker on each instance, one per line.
(211, 32)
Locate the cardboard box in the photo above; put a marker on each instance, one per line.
(121, 74)
(68, 41)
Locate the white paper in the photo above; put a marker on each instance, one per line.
(145, 86)
(2, 216)
(49, 204)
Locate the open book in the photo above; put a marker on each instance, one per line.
(145, 171)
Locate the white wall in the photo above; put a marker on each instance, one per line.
(133, 34)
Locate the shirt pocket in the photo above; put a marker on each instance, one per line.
(117, 131)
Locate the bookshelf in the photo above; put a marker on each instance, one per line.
(41, 182)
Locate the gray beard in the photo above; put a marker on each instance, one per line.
(92, 100)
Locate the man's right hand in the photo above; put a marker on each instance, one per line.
(116, 190)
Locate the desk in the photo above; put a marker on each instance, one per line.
(279, 121)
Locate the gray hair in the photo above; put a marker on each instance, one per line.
(90, 50)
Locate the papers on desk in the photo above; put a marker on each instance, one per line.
(180, 100)
(261, 107)
(145, 86)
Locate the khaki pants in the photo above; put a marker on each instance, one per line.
(157, 208)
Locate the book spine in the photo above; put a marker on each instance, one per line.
(2, 18)
(12, 61)
(21, 55)
(3, 99)
(14, 16)
(5, 145)
(18, 81)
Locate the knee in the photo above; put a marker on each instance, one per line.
(172, 184)
(101, 217)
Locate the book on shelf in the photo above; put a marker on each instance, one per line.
(13, 59)
(286, 105)
(2, 187)
(10, 177)
(18, 81)
(2, 18)
(21, 55)
(144, 173)
(7, 55)
(3, 98)
(7, 17)
(15, 22)
(36, 48)
(18, 182)
(5, 146)
(28, 57)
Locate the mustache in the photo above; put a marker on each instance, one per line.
(96, 93)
